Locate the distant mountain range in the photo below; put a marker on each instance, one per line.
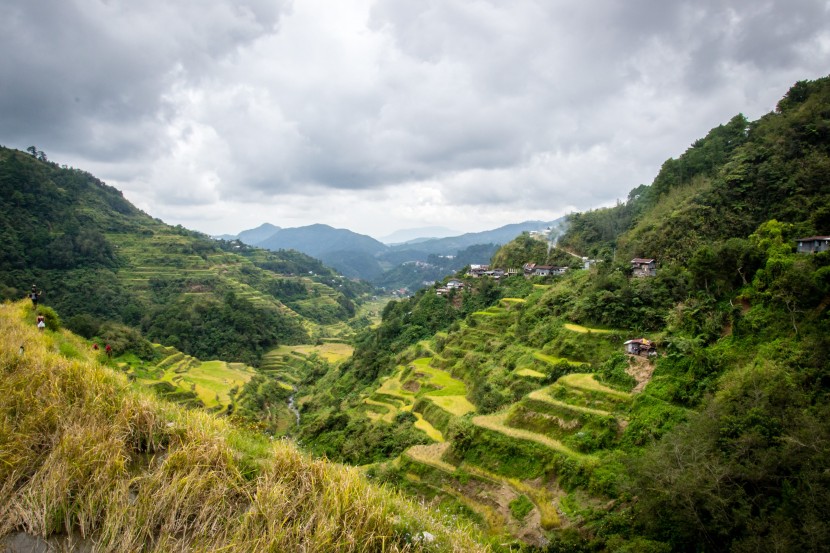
(419, 234)
(361, 256)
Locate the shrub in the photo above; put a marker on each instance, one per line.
(84, 324)
(520, 507)
(51, 318)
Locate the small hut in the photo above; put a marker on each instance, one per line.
(640, 346)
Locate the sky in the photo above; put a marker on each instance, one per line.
(379, 115)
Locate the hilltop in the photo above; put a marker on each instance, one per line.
(90, 461)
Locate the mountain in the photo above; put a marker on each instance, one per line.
(349, 252)
(101, 263)
(501, 235)
(359, 256)
(254, 236)
(603, 411)
(318, 240)
(415, 235)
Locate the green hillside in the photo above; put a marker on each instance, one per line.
(99, 260)
(514, 404)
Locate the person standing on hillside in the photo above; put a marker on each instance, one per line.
(34, 295)
(41, 322)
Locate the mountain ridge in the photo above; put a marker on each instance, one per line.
(361, 256)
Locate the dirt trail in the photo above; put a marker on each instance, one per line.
(641, 368)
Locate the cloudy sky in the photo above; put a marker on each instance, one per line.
(378, 115)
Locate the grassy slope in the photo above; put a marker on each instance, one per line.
(82, 451)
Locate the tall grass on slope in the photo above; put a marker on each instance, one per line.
(82, 452)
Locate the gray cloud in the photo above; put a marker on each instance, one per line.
(413, 109)
(91, 77)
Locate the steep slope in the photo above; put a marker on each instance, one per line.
(98, 259)
(719, 442)
(88, 461)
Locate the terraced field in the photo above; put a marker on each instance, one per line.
(430, 393)
(584, 329)
(214, 385)
(498, 423)
(540, 419)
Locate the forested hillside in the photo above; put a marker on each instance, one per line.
(518, 404)
(724, 186)
(102, 263)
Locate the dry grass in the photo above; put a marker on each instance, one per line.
(83, 452)
(431, 455)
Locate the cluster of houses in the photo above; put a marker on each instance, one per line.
(528, 270)
(640, 267)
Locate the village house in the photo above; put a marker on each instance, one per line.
(532, 269)
(454, 283)
(643, 267)
(477, 271)
(640, 346)
(813, 244)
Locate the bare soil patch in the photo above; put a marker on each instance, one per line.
(641, 368)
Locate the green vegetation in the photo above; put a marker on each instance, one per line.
(99, 260)
(719, 442)
(520, 507)
(511, 401)
(86, 455)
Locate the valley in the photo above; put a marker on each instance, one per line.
(670, 394)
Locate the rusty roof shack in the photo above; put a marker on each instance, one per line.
(642, 267)
(640, 346)
(813, 244)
